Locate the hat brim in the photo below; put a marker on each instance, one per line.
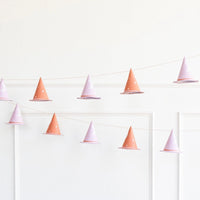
(132, 92)
(15, 123)
(85, 98)
(186, 81)
(52, 134)
(90, 142)
(2, 99)
(127, 148)
(40, 100)
(170, 151)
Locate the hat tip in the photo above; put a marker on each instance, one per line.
(130, 128)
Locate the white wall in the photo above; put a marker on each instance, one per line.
(74, 38)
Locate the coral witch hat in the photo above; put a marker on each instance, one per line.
(88, 90)
(40, 93)
(16, 117)
(3, 92)
(131, 85)
(130, 142)
(171, 145)
(90, 135)
(185, 75)
(53, 128)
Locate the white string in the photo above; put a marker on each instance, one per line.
(165, 63)
(104, 124)
(107, 74)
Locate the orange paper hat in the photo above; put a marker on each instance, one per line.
(53, 126)
(130, 142)
(40, 93)
(131, 85)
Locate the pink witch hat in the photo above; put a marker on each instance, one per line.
(88, 90)
(16, 117)
(3, 92)
(171, 145)
(185, 75)
(90, 136)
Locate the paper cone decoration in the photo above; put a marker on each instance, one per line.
(185, 75)
(90, 136)
(88, 90)
(130, 142)
(131, 85)
(16, 117)
(40, 93)
(3, 92)
(171, 145)
(53, 128)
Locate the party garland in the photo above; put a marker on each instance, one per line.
(132, 87)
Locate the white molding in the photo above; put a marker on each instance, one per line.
(88, 113)
(16, 166)
(179, 173)
(180, 114)
(150, 154)
(151, 158)
(179, 157)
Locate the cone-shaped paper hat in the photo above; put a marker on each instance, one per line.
(185, 75)
(130, 142)
(40, 93)
(171, 145)
(3, 92)
(16, 117)
(131, 85)
(53, 126)
(90, 136)
(88, 90)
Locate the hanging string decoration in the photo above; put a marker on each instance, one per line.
(16, 118)
(129, 142)
(88, 90)
(90, 136)
(132, 86)
(53, 128)
(40, 93)
(171, 145)
(185, 75)
(3, 92)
